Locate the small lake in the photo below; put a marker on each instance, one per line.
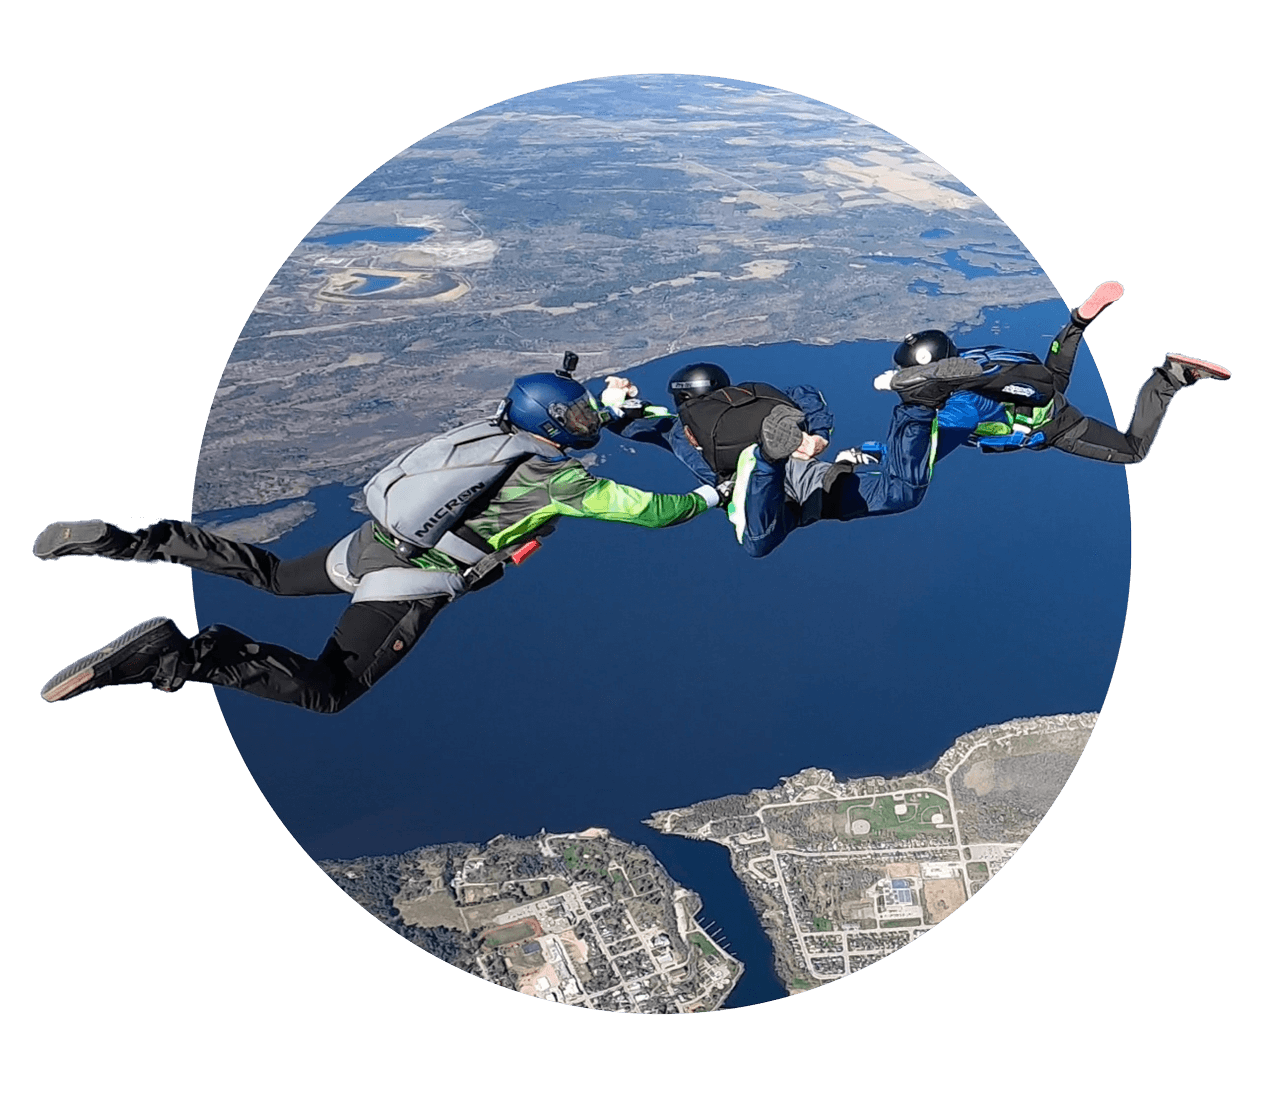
(377, 234)
(375, 283)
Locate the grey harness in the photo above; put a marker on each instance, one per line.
(419, 502)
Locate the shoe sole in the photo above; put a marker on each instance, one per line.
(1215, 371)
(75, 677)
(781, 424)
(62, 536)
(1103, 296)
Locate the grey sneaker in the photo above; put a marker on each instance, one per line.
(82, 538)
(151, 652)
(781, 433)
(1186, 370)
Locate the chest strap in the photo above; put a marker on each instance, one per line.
(470, 551)
(513, 553)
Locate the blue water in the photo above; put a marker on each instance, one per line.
(902, 260)
(937, 232)
(621, 671)
(952, 259)
(374, 234)
(375, 283)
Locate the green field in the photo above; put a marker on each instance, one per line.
(884, 821)
(821, 923)
(578, 860)
(517, 933)
(704, 945)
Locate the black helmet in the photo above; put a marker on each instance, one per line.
(696, 379)
(924, 347)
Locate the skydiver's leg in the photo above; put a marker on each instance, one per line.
(1098, 441)
(758, 509)
(1061, 357)
(370, 639)
(181, 542)
(900, 481)
(1062, 352)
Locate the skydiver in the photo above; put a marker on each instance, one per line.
(1020, 401)
(427, 545)
(775, 484)
(637, 420)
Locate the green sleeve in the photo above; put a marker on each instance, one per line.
(577, 493)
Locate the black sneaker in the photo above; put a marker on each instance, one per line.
(933, 384)
(82, 538)
(151, 652)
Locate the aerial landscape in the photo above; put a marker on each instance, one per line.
(629, 220)
(625, 218)
(842, 873)
(647, 773)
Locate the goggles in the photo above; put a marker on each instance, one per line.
(579, 417)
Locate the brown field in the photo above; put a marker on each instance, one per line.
(479, 915)
(942, 896)
(527, 981)
(436, 910)
(575, 947)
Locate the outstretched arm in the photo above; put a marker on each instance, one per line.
(629, 416)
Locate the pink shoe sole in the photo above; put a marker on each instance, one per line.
(1103, 296)
(1202, 368)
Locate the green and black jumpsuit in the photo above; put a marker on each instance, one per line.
(372, 636)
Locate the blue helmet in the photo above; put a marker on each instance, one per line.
(554, 407)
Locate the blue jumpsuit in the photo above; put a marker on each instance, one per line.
(771, 498)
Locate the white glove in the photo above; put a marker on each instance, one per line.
(617, 390)
(709, 495)
(881, 382)
(856, 457)
(613, 398)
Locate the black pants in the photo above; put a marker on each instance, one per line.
(1072, 432)
(369, 639)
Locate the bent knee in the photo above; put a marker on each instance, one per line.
(757, 549)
